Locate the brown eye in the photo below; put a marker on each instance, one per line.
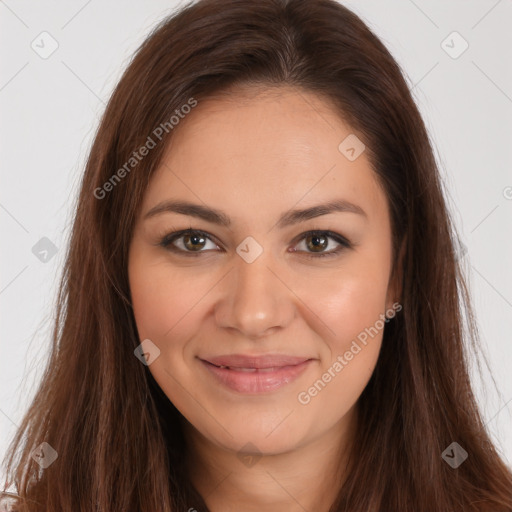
(189, 242)
(317, 243)
(194, 242)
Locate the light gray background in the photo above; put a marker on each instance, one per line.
(50, 110)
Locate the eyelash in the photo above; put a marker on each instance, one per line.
(166, 242)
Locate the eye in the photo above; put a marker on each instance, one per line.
(191, 242)
(315, 243)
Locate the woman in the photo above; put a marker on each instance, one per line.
(260, 308)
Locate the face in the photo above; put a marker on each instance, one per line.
(264, 324)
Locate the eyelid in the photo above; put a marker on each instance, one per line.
(343, 242)
(167, 241)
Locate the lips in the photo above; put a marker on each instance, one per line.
(256, 374)
(240, 361)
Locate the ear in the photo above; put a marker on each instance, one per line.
(394, 293)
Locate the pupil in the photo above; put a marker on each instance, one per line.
(316, 242)
(195, 239)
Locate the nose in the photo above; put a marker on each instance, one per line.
(256, 300)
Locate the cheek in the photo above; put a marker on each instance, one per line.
(167, 311)
(352, 305)
(353, 308)
(163, 302)
(348, 301)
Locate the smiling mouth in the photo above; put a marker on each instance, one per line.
(254, 380)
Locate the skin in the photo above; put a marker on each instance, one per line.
(255, 155)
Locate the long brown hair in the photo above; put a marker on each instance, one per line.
(117, 436)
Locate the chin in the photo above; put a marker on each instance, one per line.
(267, 438)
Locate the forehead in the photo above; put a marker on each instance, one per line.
(263, 148)
(280, 123)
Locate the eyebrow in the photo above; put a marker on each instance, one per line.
(288, 218)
